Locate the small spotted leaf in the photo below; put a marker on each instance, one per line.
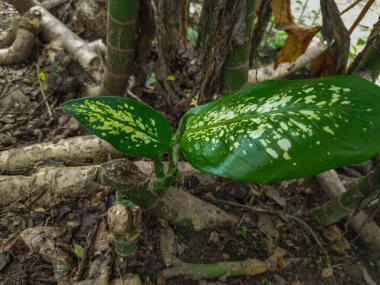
(129, 126)
(285, 129)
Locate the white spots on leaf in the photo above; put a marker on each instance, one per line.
(321, 103)
(345, 102)
(310, 99)
(263, 142)
(346, 89)
(318, 142)
(308, 90)
(286, 156)
(256, 120)
(327, 129)
(335, 88)
(271, 152)
(236, 144)
(256, 133)
(284, 144)
(335, 98)
(284, 126)
(369, 110)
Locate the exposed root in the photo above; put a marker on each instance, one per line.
(85, 149)
(18, 42)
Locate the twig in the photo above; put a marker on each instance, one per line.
(361, 15)
(350, 7)
(43, 92)
(278, 213)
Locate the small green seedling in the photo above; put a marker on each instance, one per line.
(269, 131)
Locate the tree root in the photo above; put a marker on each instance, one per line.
(85, 149)
(18, 42)
(54, 30)
(50, 184)
(174, 205)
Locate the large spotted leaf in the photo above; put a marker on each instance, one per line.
(129, 126)
(285, 129)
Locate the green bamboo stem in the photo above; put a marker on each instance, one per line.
(236, 66)
(121, 37)
(358, 191)
(249, 267)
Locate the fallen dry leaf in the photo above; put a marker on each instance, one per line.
(296, 44)
(282, 13)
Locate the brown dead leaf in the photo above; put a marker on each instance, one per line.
(324, 64)
(297, 42)
(282, 13)
(335, 236)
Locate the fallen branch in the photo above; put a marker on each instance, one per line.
(50, 185)
(268, 72)
(84, 149)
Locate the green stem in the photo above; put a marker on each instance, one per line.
(249, 267)
(358, 192)
(161, 200)
(123, 234)
(158, 166)
(175, 151)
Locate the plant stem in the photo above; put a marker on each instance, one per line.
(249, 267)
(175, 151)
(158, 166)
(361, 190)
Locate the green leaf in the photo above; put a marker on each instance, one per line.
(128, 125)
(78, 250)
(285, 129)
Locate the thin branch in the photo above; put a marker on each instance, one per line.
(43, 92)
(350, 7)
(361, 15)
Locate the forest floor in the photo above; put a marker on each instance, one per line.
(340, 259)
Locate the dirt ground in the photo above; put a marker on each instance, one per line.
(24, 120)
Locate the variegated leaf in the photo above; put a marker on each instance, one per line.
(285, 129)
(129, 126)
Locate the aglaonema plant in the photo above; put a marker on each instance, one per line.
(269, 131)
